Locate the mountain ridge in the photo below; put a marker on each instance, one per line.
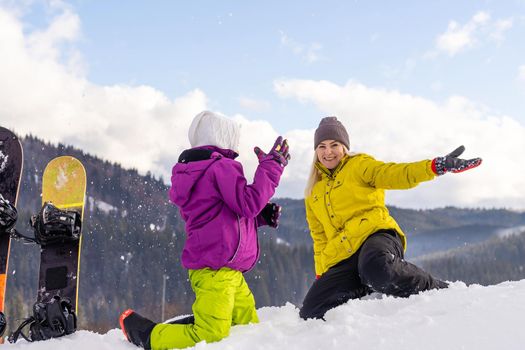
(133, 236)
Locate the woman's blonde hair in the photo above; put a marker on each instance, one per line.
(315, 174)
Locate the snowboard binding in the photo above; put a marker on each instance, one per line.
(8, 215)
(54, 225)
(52, 319)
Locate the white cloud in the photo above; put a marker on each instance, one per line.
(499, 29)
(137, 126)
(478, 29)
(43, 94)
(310, 53)
(455, 39)
(458, 38)
(399, 127)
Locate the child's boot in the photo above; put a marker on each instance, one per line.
(137, 329)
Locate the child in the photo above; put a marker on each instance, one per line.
(222, 213)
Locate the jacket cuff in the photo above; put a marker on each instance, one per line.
(433, 166)
(260, 221)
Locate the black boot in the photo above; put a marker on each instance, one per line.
(136, 328)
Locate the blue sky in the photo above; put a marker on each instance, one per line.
(234, 50)
(411, 80)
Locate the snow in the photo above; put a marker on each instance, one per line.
(503, 233)
(100, 205)
(282, 242)
(460, 317)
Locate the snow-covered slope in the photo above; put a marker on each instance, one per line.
(460, 317)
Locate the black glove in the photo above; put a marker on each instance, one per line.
(279, 152)
(271, 214)
(451, 162)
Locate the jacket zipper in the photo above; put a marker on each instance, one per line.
(240, 237)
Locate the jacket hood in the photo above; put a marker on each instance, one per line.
(208, 128)
(192, 165)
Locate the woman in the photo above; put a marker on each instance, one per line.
(358, 246)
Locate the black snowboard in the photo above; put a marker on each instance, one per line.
(11, 160)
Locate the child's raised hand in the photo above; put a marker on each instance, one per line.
(259, 153)
(279, 152)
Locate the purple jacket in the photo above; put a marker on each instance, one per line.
(219, 207)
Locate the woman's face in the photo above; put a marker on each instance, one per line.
(330, 153)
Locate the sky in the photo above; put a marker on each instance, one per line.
(410, 80)
(461, 317)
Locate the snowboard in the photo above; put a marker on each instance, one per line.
(64, 185)
(11, 162)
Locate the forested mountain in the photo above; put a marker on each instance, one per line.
(132, 239)
(456, 225)
(490, 262)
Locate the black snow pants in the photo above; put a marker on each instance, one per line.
(377, 266)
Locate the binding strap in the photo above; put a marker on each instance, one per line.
(51, 225)
(13, 337)
(54, 225)
(52, 319)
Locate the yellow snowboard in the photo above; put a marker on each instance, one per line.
(64, 185)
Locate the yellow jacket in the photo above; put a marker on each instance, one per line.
(348, 204)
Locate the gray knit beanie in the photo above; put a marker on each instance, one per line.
(331, 129)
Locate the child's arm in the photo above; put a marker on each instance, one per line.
(247, 200)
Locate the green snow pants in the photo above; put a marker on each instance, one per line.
(222, 299)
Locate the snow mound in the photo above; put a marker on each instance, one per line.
(460, 317)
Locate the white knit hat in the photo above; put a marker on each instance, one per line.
(208, 128)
